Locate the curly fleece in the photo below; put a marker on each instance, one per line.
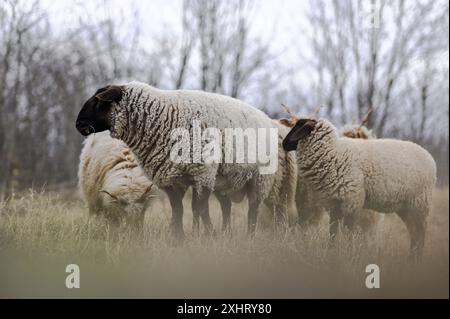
(385, 175)
(107, 166)
(145, 117)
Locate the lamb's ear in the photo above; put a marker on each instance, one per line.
(146, 195)
(112, 93)
(302, 129)
(115, 198)
(286, 122)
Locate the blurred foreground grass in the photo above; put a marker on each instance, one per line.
(40, 233)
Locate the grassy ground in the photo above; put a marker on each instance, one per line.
(40, 233)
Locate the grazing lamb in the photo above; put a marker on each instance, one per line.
(111, 182)
(385, 175)
(145, 117)
(123, 193)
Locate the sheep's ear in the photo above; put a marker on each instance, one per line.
(115, 198)
(146, 195)
(301, 130)
(113, 93)
(286, 122)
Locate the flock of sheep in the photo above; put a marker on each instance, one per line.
(350, 174)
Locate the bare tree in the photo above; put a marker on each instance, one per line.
(381, 55)
(48, 69)
(360, 66)
(228, 54)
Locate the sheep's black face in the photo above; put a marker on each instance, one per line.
(93, 117)
(300, 131)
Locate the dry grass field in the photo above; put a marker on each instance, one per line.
(42, 232)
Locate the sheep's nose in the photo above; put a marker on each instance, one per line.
(83, 127)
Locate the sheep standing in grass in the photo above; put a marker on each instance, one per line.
(367, 220)
(309, 209)
(349, 175)
(282, 195)
(280, 202)
(111, 182)
(145, 118)
(102, 150)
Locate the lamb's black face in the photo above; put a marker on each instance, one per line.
(93, 117)
(301, 130)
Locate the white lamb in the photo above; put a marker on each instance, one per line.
(349, 174)
(111, 182)
(309, 209)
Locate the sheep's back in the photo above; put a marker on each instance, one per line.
(178, 110)
(394, 171)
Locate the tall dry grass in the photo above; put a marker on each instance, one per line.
(40, 233)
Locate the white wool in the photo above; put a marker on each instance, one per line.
(109, 176)
(385, 175)
(282, 194)
(146, 116)
(309, 209)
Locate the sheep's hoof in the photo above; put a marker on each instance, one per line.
(178, 237)
(414, 257)
(209, 231)
(251, 233)
(227, 231)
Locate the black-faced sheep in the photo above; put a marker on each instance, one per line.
(350, 175)
(145, 118)
(309, 209)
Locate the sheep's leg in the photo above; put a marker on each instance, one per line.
(301, 202)
(140, 221)
(349, 222)
(280, 214)
(253, 210)
(416, 223)
(136, 221)
(345, 212)
(225, 205)
(94, 211)
(200, 207)
(113, 220)
(195, 214)
(309, 213)
(336, 219)
(176, 195)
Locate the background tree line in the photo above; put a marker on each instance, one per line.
(398, 68)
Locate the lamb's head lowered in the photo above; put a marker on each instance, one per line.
(95, 114)
(127, 203)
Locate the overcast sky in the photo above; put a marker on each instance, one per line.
(279, 20)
